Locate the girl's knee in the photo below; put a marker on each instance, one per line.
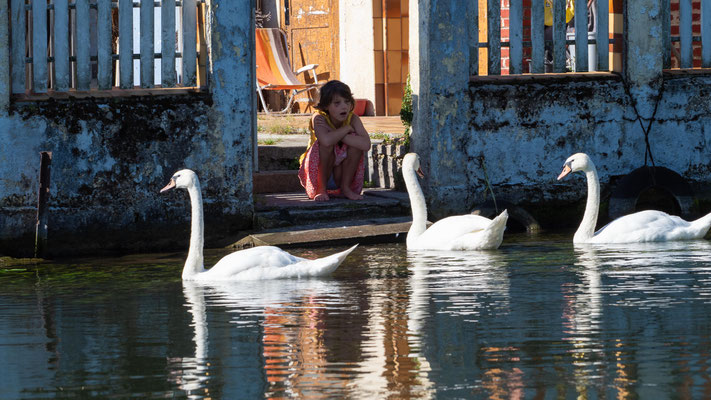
(353, 152)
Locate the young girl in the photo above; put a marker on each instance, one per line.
(333, 161)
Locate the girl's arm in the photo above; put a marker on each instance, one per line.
(325, 134)
(359, 139)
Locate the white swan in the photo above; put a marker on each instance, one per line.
(459, 232)
(643, 226)
(262, 262)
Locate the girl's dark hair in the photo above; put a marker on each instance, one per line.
(330, 89)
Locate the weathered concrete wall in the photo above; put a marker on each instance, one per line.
(515, 134)
(520, 135)
(112, 156)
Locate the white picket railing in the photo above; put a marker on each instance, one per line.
(51, 47)
(537, 43)
(685, 38)
(600, 37)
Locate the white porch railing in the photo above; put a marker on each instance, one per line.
(686, 40)
(537, 42)
(82, 45)
(690, 50)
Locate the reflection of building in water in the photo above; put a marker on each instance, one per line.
(391, 365)
(294, 351)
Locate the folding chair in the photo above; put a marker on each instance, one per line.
(274, 70)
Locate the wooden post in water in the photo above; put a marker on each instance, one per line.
(43, 196)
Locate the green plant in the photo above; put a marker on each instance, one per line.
(380, 136)
(406, 111)
(268, 142)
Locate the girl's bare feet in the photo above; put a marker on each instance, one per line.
(321, 197)
(351, 194)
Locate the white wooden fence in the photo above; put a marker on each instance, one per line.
(600, 37)
(51, 45)
(537, 42)
(685, 38)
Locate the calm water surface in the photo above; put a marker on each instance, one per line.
(539, 318)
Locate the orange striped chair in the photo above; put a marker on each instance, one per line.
(274, 70)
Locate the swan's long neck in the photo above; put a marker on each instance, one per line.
(194, 262)
(417, 204)
(587, 227)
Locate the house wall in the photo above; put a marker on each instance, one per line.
(515, 133)
(356, 47)
(111, 156)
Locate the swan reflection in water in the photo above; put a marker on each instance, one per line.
(461, 284)
(289, 314)
(634, 271)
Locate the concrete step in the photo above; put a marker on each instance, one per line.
(295, 208)
(279, 157)
(280, 181)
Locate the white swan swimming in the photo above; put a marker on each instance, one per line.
(262, 262)
(643, 226)
(459, 232)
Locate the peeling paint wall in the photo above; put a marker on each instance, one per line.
(514, 135)
(111, 156)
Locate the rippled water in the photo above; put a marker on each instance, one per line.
(539, 318)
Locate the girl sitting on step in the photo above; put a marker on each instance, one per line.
(333, 162)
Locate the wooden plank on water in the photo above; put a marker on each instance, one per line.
(104, 59)
(126, 43)
(18, 26)
(81, 45)
(559, 36)
(494, 36)
(603, 35)
(516, 37)
(147, 44)
(537, 38)
(189, 42)
(167, 49)
(62, 75)
(39, 46)
(685, 34)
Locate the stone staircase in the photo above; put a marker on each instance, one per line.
(285, 216)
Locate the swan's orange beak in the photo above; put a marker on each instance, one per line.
(420, 173)
(169, 186)
(566, 171)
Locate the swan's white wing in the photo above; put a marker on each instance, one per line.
(269, 262)
(444, 232)
(643, 226)
(256, 258)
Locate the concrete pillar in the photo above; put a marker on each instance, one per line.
(643, 50)
(4, 57)
(230, 36)
(439, 62)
